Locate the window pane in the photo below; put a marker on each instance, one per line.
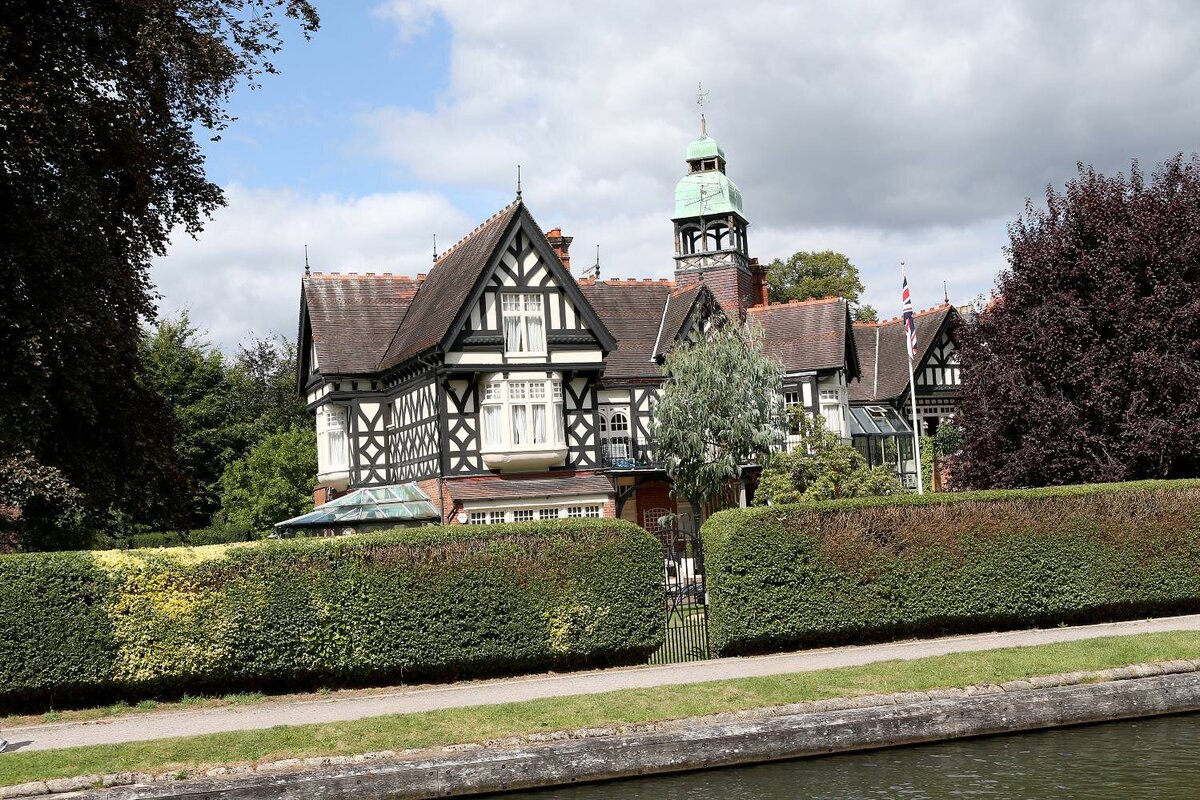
(539, 423)
(520, 421)
(534, 341)
(512, 302)
(478, 518)
(556, 391)
(495, 517)
(493, 391)
(523, 515)
(591, 511)
(512, 334)
(537, 390)
(516, 390)
(492, 433)
(559, 436)
(533, 302)
(547, 513)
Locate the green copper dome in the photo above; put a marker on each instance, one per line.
(706, 194)
(704, 147)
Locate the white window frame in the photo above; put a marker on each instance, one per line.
(333, 441)
(493, 512)
(616, 432)
(508, 410)
(830, 403)
(527, 310)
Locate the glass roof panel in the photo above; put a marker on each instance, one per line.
(376, 503)
(877, 421)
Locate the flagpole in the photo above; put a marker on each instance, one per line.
(912, 394)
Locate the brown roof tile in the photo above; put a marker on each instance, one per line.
(353, 317)
(806, 335)
(679, 305)
(516, 487)
(446, 288)
(885, 368)
(632, 311)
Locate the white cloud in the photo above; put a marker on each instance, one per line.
(886, 130)
(243, 274)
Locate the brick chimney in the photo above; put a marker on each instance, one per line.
(760, 284)
(561, 245)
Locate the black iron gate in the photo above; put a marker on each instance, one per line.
(686, 606)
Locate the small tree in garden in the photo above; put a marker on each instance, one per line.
(821, 467)
(1085, 365)
(719, 410)
(271, 483)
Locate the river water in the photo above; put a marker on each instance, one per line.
(1153, 758)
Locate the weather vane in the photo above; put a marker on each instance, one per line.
(701, 99)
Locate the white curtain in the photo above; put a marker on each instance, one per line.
(535, 341)
(512, 334)
(491, 426)
(539, 424)
(559, 436)
(520, 416)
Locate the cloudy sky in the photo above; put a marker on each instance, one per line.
(889, 131)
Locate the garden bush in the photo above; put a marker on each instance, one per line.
(874, 568)
(199, 536)
(419, 604)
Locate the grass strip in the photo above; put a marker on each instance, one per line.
(192, 754)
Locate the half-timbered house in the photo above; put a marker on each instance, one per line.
(508, 390)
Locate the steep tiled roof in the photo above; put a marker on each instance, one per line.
(516, 487)
(445, 290)
(806, 335)
(353, 317)
(679, 304)
(632, 311)
(885, 368)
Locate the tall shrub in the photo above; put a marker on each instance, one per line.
(419, 604)
(876, 568)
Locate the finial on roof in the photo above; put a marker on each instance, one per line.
(307, 269)
(701, 97)
(945, 293)
(435, 248)
(594, 270)
(518, 181)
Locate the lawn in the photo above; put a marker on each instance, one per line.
(631, 706)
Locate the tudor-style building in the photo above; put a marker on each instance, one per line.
(508, 390)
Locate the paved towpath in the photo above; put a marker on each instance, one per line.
(186, 722)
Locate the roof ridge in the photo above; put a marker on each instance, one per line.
(376, 275)
(792, 303)
(893, 320)
(477, 229)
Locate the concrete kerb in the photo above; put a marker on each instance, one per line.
(740, 737)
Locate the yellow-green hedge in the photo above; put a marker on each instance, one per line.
(421, 604)
(861, 570)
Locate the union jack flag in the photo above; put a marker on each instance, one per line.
(910, 324)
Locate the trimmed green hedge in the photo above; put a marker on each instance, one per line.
(420, 604)
(874, 568)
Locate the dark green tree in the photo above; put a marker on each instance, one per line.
(191, 377)
(811, 275)
(1085, 365)
(263, 389)
(100, 106)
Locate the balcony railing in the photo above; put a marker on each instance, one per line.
(619, 452)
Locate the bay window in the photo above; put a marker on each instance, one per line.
(333, 445)
(524, 323)
(522, 415)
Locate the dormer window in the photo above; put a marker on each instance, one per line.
(524, 323)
